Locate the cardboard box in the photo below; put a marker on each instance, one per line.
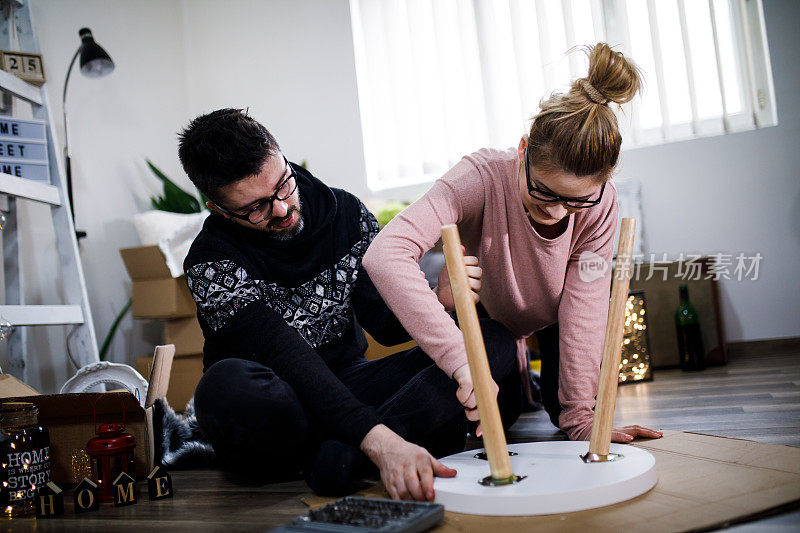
(11, 386)
(662, 300)
(70, 420)
(704, 483)
(185, 334)
(156, 294)
(186, 373)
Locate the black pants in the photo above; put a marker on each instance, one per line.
(255, 421)
(548, 348)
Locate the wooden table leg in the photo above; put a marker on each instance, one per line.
(494, 439)
(600, 439)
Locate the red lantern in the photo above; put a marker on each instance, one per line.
(110, 453)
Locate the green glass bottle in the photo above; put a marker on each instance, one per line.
(690, 340)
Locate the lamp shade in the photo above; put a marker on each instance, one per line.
(95, 62)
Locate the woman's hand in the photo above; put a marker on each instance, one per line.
(445, 293)
(628, 433)
(466, 395)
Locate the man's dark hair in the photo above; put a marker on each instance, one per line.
(223, 147)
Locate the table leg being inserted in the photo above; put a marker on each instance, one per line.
(494, 439)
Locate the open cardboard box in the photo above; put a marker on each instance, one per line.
(156, 294)
(186, 373)
(70, 419)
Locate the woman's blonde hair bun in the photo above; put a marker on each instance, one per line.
(577, 131)
(611, 75)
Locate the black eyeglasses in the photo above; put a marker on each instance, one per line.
(263, 207)
(547, 196)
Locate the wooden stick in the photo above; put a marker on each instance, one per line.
(612, 350)
(494, 439)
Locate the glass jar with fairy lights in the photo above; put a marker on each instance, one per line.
(24, 455)
(635, 361)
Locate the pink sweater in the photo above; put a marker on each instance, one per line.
(528, 282)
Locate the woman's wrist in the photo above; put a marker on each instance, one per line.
(460, 372)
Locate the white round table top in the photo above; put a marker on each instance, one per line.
(557, 480)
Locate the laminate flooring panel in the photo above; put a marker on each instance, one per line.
(755, 397)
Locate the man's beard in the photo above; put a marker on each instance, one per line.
(287, 234)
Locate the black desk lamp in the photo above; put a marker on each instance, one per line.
(95, 63)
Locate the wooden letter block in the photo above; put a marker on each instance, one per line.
(24, 65)
(49, 501)
(124, 490)
(13, 63)
(86, 497)
(159, 484)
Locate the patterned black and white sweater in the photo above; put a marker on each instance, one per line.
(296, 306)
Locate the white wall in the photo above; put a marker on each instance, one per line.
(291, 63)
(738, 193)
(115, 122)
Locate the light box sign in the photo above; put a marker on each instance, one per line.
(23, 152)
(27, 150)
(29, 170)
(22, 129)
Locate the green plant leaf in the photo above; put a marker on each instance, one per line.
(179, 200)
(174, 199)
(113, 329)
(388, 211)
(203, 200)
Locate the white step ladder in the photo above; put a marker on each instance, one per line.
(38, 187)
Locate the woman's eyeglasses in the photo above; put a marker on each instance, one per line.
(547, 196)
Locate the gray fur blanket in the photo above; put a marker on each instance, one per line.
(180, 444)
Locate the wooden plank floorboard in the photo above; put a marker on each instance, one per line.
(713, 381)
(656, 403)
(717, 390)
(671, 412)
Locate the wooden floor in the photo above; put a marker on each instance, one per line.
(756, 396)
(753, 397)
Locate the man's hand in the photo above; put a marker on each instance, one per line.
(628, 433)
(445, 293)
(407, 470)
(466, 395)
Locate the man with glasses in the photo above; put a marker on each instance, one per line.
(282, 298)
(282, 226)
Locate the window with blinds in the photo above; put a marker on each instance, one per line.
(438, 79)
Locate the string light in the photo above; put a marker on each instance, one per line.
(81, 466)
(635, 364)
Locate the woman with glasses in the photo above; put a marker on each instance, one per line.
(533, 216)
